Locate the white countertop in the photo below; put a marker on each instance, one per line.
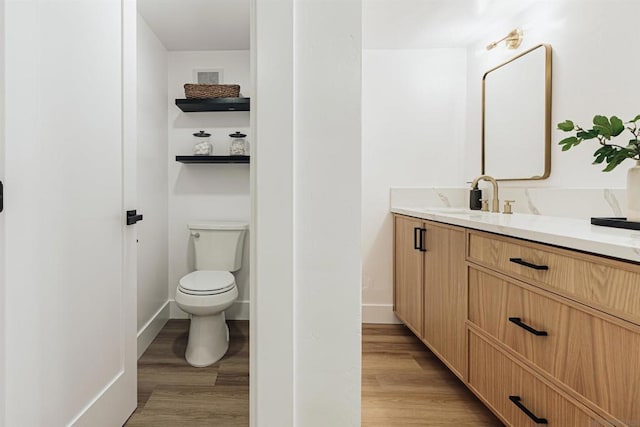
(566, 232)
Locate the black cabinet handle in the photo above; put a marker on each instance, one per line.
(517, 401)
(133, 217)
(1, 197)
(416, 245)
(423, 238)
(518, 321)
(528, 264)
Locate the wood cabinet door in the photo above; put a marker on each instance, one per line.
(445, 296)
(408, 272)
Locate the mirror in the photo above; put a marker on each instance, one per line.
(516, 117)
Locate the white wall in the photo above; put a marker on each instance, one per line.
(152, 182)
(206, 191)
(420, 134)
(413, 120)
(2, 234)
(306, 291)
(594, 72)
(271, 367)
(327, 195)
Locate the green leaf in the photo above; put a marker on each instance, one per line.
(617, 126)
(566, 126)
(602, 153)
(636, 119)
(587, 134)
(618, 158)
(599, 159)
(603, 126)
(569, 142)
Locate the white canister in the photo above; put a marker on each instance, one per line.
(203, 146)
(238, 144)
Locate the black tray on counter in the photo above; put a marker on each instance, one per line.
(617, 222)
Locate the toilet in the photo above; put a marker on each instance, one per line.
(207, 292)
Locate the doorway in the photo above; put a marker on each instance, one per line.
(190, 42)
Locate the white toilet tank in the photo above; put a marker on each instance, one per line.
(218, 244)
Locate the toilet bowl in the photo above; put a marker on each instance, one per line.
(206, 293)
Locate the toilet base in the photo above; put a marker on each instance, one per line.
(208, 340)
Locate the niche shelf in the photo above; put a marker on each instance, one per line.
(213, 159)
(213, 104)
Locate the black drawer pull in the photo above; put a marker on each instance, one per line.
(516, 401)
(423, 238)
(518, 321)
(528, 264)
(416, 245)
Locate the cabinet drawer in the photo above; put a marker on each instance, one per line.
(595, 356)
(497, 378)
(613, 286)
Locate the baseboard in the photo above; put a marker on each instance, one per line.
(379, 313)
(150, 330)
(238, 311)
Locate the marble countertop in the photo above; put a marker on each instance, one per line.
(566, 232)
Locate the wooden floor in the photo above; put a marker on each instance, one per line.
(171, 393)
(403, 384)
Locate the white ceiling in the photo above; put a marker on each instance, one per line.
(387, 24)
(425, 24)
(198, 24)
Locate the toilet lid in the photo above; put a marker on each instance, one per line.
(207, 282)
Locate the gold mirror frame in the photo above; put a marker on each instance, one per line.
(547, 118)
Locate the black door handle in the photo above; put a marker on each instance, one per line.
(528, 264)
(423, 238)
(518, 321)
(416, 244)
(133, 217)
(528, 413)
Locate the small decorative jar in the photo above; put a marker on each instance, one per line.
(238, 144)
(203, 146)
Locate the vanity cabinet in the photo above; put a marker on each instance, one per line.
(537, 332)
(571, 317)
(430, 286)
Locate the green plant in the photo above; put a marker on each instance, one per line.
(604, 130)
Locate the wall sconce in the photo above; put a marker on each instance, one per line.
(512, 40)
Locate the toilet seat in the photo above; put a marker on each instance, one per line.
(205, 282)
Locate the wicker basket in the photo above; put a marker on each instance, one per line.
(201, 91)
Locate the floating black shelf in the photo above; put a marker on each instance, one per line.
(212, 159)
(213, 104)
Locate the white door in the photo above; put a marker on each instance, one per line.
(70, 356)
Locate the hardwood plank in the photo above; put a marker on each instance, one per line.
(404, 384)
(173, 393)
